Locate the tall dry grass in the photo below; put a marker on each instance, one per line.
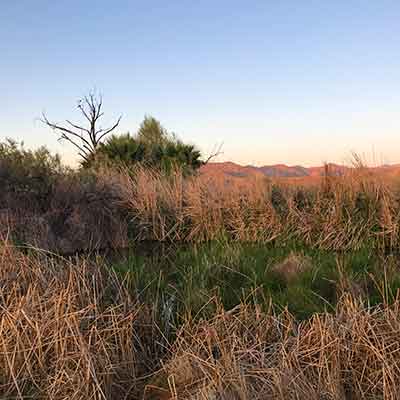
(339, 213)
(109, 208)
(69, 330)
(246, 354)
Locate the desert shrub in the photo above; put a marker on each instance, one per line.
(44, 204)
(84, 213)
(27, 177)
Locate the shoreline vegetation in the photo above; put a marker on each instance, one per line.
(126, 281)
(67, 211)
(73, 328)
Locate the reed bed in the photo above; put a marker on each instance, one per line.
(68, 330)
(113, 207)
(340, 213)
(247, 354)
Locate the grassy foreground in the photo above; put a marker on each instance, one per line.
(77, 329)
(251, 289)
(303, 279)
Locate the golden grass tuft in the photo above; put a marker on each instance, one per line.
(67, 330)
(340, 213)
(246, 354)
(70, 330)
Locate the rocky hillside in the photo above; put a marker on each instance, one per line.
(233, 170)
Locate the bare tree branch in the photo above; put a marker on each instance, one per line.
(85, 139)
(217, 151)
(109, 130)
(77, 126)
(65, 132)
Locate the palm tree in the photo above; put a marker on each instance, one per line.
(123, 148)
(152, 146)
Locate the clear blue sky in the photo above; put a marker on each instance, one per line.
(299, 82)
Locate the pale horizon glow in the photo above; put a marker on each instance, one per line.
(296, 83)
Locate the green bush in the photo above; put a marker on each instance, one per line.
(45, 204)
(27, 177)
(152, 146)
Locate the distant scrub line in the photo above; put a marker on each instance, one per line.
(66, 211)
(46, 205)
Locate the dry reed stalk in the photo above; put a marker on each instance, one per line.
(246, 354)
(67, 330)
(341, 213)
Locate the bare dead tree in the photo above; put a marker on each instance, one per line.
(85, 139)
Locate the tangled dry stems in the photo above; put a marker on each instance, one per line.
(69, 329)
(340, 213)
(246, 354)
(109, 209)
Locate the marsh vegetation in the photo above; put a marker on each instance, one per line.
(135, 278)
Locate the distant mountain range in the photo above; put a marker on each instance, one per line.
(231, 169)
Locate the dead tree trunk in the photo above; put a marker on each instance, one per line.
(86, 139)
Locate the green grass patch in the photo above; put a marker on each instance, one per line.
(189, 278)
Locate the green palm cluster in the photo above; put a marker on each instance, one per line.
(152, 146)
